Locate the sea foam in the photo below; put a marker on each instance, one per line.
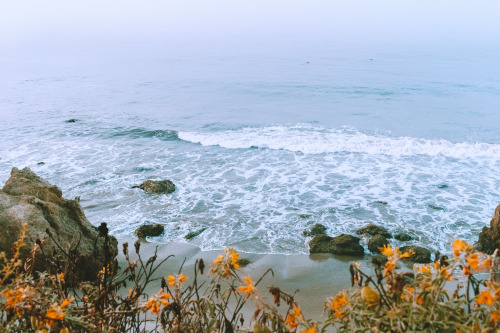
(317, 140)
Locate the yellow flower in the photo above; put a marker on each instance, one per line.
(370, 296)
(249, 288)
(156, 301)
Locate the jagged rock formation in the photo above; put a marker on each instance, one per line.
(489, 238)
(57, 223)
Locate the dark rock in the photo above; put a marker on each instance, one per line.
(343, 244)
(193, 234)
(421, 256)
(382, 202)
(72, 120)
(489, 238)
(402, 236)
(435, 207)
(372, 230)
(28, 199)
(305, 216)
(243, 262)
(379, 260)
(376, 242)
(442, 186)
(157, 186)
(40, 163)
(149, 230)
(317, 229)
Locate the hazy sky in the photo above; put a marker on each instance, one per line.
(221, 21)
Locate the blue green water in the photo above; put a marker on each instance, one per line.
(262, 145)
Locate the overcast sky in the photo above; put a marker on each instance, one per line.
(228, 21)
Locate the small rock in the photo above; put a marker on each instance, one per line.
(157, 186)
(343, 244)
(305, 216)
(435, 207)
(243, 262)
(72, 120)
(421, 256)
(376, 242)
(193, 234)
(40, 163)
(149, 230)
(382, 202)
(317, 229)
(442, 186)
(402, 236)
(372, 230)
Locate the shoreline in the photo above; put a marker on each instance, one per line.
(315, 276)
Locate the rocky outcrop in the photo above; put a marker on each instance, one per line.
(58, 224)
(421, 255)
(376, 242)
(372, 230)
(157, 186)
(489, 238)
(149, 230)
(343, 244)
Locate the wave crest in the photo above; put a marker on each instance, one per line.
(314, 140)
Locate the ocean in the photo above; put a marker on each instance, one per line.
(262, 145)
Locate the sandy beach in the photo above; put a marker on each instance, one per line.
(315, 276)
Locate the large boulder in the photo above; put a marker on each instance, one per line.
(489, 238)
(343, 244)
(372, 230)
(421, 255)
(68, 240)
(157, 186)
(149, 230)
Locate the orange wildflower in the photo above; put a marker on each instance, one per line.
(293, 317)
(156, 301)
(386, 250)
(55, 313)
(224, 265)
(337, 302)
(249, 288)
(495, 316)
(460, 246)
(176, 280)
(473, 261)
(309, 330)
(485, 297)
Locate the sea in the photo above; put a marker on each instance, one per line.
(263, 144)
